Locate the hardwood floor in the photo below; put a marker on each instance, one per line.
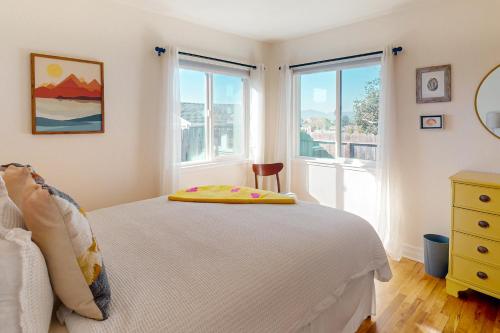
(415, 302)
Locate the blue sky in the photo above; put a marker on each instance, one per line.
(192, 86)
(227, 89)
(319, 89)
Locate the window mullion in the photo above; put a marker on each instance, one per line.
(338, 114)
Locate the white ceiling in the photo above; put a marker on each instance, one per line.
(271, 20)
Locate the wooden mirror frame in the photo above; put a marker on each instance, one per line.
(475, 101)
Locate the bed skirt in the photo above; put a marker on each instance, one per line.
(346, 315)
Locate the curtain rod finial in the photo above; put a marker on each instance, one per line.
(160, 50)
(395, 50)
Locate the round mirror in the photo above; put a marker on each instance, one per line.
(488, 101)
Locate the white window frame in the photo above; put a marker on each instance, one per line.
(338, 68)
(209, 70)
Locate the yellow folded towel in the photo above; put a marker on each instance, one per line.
(230, 194)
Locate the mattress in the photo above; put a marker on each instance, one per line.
(194, 267)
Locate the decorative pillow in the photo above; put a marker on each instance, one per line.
(26, 297)
(63, 233)
(10, 215)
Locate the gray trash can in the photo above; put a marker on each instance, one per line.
(436, 249)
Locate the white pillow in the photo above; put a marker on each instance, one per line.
(10, 215)
(26, 298)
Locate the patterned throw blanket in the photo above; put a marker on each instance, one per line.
(230, 194)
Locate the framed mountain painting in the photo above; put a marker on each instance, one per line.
(67, 95)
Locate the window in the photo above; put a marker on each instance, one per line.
(338, 112)
(359, 112)
(193, 91)
(318, 96)
(213, 116)
(227, 115)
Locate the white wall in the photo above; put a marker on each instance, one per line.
(346, 187)
(462, 33)
(122, 164)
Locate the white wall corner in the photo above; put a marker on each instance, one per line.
(413, 252)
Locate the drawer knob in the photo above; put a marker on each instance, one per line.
(484, 198)
(482, 275)
(483, 224)
(482, 249)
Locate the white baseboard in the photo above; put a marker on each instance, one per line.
(413, 252)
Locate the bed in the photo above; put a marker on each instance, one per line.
(199, 267)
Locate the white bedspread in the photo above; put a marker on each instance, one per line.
(196, 267)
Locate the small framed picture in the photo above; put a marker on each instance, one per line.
(431, 122)
(434, 84)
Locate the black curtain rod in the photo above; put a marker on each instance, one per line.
(161, 50)
(394, 51)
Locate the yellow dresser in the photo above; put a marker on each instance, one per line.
(475, 234)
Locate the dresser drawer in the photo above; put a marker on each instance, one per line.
(484, 276)
(481, 249)
(477, 197)
(477, 223)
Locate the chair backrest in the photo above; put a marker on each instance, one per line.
(267, 170)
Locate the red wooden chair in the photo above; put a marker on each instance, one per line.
(267, 170)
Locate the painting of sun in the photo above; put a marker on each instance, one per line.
(67, 95)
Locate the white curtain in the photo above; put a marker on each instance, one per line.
(388, 173)
(170, 121)
(282, 143)
(257, 114)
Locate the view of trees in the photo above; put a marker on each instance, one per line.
(359, 129)
(317, 124)
(366, 108)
